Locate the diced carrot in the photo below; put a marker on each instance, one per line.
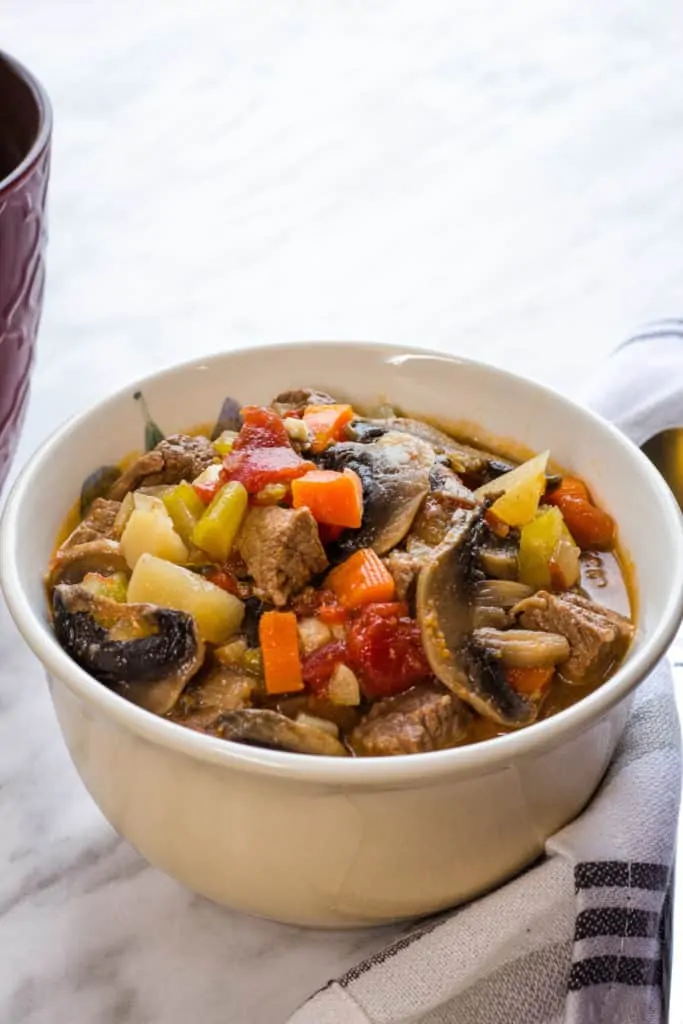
(569, 486)
(529, 680)
(362, 579)
(325, 423)
(333, 498)
(332, 614)
(590, 527)
(279, 639)
(223, 579)
(496, 525)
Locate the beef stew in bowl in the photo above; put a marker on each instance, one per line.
(310, 579)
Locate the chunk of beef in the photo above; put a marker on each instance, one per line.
(98, 524)
(426, 717)
(404, 566)
(294, 401)
(210, 695)
(598, 638)
(282, 551)
(176, 458)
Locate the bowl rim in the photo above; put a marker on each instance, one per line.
(22, 170)
(350, 772)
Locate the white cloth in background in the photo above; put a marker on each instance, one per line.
(581, 937)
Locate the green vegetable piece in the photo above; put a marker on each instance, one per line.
(224, 443)
(153, 434)
(216, 531)
(114, 587)
(252, 662)
(185, 508)
(548, 555)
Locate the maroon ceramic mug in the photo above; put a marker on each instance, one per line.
(25, 131)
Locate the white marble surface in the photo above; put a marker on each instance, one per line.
(500, 180)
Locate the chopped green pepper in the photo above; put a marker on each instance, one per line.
(548, 556)
(216, 530)
(185, 508)
(223, 444)
(252, 661)
(114, 587)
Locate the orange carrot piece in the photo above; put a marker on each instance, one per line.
(362, 579)
(279, 640)
(569, 486)
(529, 680)
(590, 526)
(325, 423)
(332, 498)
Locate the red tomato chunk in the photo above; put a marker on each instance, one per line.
(386, 651)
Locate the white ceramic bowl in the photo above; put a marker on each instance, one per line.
(322, 841)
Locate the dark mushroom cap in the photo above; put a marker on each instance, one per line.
(145, 653)
(394, 472)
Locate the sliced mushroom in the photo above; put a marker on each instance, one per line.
(488, 616)
(524, 648)
(71, 564)
(500, 593)
(210, 694)
(488, 690)
(462, 457)
(445, 611)
(145, 653)
(264, 728)
(394, 473)
(299, 398)
(500, 560)
(494, 600)
(444, 600)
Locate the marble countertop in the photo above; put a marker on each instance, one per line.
(501, 182)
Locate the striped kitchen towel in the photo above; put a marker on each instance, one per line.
(579, 938)
(583, 937)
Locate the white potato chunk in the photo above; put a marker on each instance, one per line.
(218, 614)
(149, 530)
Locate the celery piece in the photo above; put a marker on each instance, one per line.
(223, 444)
(114, 587)
(252, 661)
(546, 543)
(185, 508)
(216, 530)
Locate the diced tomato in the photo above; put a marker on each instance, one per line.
(207, 492)
(386, 651)
(388, 609)
(260, 466)
(261, 428)
(319, 666)
(330, 610)
(224, 580)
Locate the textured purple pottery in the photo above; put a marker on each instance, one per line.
(25, 132)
